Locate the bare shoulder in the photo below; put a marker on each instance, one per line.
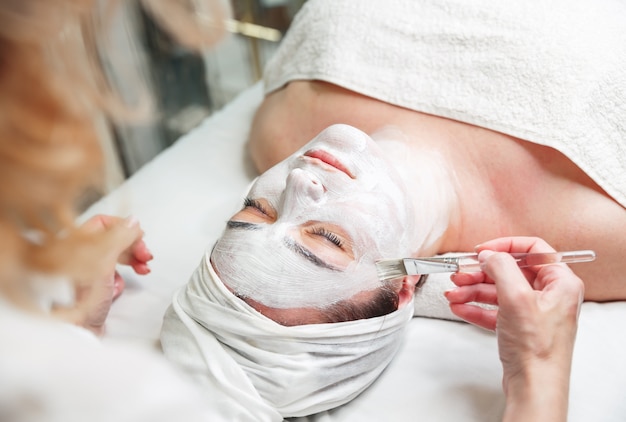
(550, 197)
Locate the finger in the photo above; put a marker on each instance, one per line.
(125, 238)
(510, 282)
(127, 232)
(140, 268)
(516, 244)
(466, 279)
(485, 318)
(138, 252)
(561, 281)
(101, 222)
(118, 285)
(115, 242)
(482, 293)
(141, 251)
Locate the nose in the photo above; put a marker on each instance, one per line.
(303, 189)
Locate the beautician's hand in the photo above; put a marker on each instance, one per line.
(95, 296)
(535, 323)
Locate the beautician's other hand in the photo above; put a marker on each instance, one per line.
(94, 297)
(535, 323)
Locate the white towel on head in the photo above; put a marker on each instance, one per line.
(255, 369)
(548, 71)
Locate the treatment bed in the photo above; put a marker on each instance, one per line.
(445, 371)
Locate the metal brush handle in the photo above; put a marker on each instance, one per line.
(469, 263)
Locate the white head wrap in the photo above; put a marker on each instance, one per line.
(253, 368)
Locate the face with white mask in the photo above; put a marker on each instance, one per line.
(314, 225)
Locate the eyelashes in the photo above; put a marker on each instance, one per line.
(253, 203)
(332, 237)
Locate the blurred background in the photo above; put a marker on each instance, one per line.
(186, 87)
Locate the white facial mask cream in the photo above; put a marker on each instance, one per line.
(432, 183)
(341, 179)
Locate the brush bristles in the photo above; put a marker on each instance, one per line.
(390, 269)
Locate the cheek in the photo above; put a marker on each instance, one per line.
(271, 183)
(379, 227)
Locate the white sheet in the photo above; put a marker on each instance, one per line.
(445, 371)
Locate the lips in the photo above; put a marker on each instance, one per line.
(329, 160)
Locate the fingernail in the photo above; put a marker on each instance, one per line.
(483, 256)
(131, 221)
(447, 294)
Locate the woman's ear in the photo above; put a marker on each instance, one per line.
(405, 295)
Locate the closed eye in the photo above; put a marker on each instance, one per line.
(255, 211)
(257, 205)
(331, 237)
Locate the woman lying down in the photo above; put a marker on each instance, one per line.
(286, 315)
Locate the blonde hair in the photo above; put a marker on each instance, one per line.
(52, 89)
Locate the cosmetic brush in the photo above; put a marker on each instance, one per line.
(394, 268)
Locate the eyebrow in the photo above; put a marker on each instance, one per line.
(290, 243)
(242, 225)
